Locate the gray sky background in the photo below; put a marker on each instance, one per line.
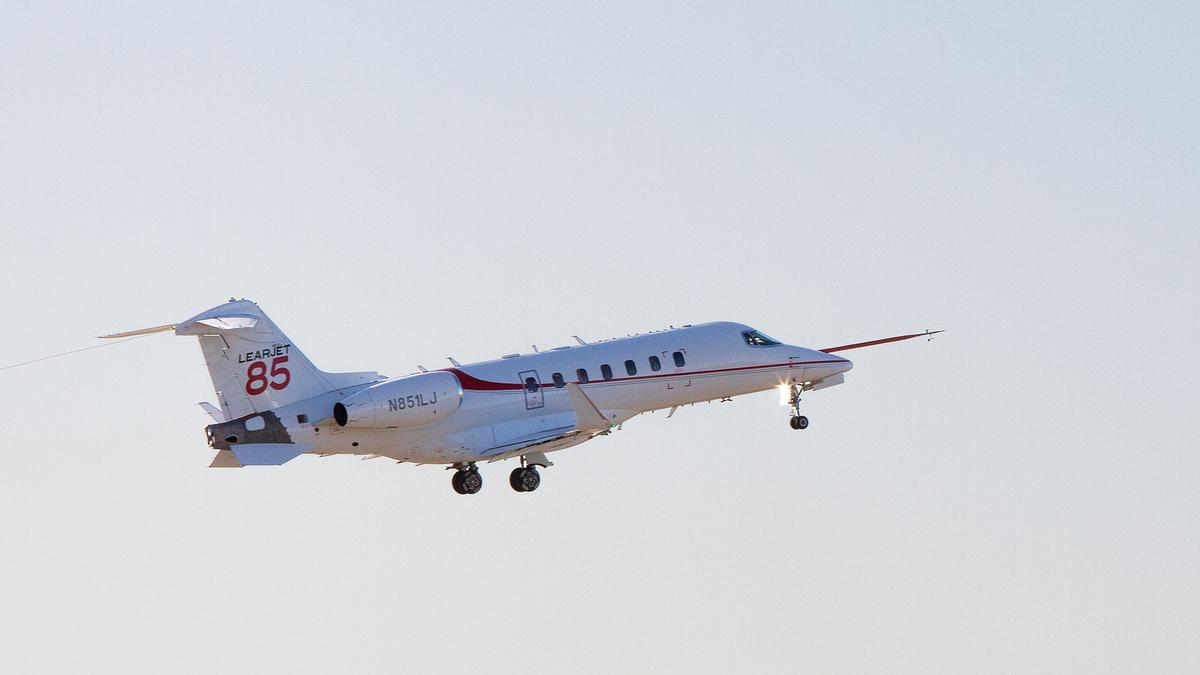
(398, 184)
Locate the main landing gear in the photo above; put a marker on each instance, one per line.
(525, 479)
(466, 480)
(798, 421)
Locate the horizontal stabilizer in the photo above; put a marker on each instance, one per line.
(141, 331)
(269, 454)
(214, 325)
(588, 416)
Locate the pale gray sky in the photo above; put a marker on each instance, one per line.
(398, 184)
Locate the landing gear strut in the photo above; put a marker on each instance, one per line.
(525, 479)
(798, 421)
(466, 480)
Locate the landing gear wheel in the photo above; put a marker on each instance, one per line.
(799, 422)
(525, 479)
(471, 481)
(466, 481)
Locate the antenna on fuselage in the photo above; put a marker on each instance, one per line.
(456, 363)
(579, 339)
(422, 368)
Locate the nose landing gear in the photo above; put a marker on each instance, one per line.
(797, 421)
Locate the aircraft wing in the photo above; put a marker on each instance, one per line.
(589, 423)
(588, 416)
(548, 443)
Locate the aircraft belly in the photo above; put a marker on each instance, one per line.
(422, 445)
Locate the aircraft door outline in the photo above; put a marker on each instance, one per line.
(531, 384)
(668, 357)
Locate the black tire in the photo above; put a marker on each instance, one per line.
(472, 482)
(530, 479)
(802, 422)
(456, 481)
(514, 478)
(795, 422)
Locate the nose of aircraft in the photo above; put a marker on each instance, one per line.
(820, 365)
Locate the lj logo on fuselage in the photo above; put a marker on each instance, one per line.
(415, 401)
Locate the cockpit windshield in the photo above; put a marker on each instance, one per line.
(757, 339)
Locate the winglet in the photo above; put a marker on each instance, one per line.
(872, 343)
(588, 416)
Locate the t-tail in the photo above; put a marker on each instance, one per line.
(254, 366)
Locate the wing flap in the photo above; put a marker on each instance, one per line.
(541, 447)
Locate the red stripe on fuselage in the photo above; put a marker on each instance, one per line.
(475, 384)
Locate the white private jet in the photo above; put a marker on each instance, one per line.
(275, 405)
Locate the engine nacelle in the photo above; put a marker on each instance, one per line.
(401, 403)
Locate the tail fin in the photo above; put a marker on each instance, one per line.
(253, 365)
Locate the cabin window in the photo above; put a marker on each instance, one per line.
(531, 384)
(606, 371)
(655, 364)
(631, 367)
(678, 359)
(757, 339)
(581, 375)
(558, 380)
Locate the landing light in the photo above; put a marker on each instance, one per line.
(785, 393)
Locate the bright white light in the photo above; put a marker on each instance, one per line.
(785, 394)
